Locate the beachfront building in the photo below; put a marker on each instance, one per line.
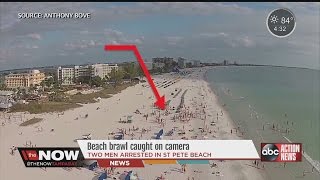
(156, 65)
(166, 60)
(82, 71)
(164, 63)
(69, 75)
(181, 62)
(103, 70)
(24, 80)
(147, 63)
(196, 63)
(6, 99)
(66, 75)
(225, 62)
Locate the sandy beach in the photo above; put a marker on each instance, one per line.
(199, 116)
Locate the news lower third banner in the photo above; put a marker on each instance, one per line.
(137, 153)
(169, 149)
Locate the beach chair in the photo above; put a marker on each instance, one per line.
(118, 136)
(129, 119)
(170, 133)
(86, 136)
(194, 137)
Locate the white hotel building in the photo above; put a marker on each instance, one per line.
(102, 70)
(68, 75)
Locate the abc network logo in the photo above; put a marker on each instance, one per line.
(269, 152)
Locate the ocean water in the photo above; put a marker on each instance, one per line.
(258, 97)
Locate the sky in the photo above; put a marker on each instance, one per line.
(206, 31)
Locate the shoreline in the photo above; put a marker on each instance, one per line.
(273, 170)
(221, 103)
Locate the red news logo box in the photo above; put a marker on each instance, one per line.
(281, 152)
(51, 156)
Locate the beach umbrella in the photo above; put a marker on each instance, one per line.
(103, 176)
(160, 132)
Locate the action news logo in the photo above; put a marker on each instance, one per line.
(52, 157)
(281, 152)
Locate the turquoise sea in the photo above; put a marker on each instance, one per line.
(258, 97)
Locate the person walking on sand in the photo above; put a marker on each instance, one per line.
(183, 168)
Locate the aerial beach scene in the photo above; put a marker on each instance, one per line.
(219, 83)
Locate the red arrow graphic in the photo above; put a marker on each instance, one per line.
(160, 100)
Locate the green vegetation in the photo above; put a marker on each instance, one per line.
(45, 107)
(91, 81)
(48, 82)
(31, 121)
(116, 76)
(168, 67)
(188, 65)
(130, 70)
(3, 87)
(2, 83)
(97, 81)
(84, 80)
(104, 93)
(59, 102)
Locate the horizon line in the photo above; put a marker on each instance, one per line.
(238, 64)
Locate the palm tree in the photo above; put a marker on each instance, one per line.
(130, 70)
(139, 72)
(116, 76)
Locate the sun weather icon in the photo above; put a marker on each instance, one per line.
(274, 19)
